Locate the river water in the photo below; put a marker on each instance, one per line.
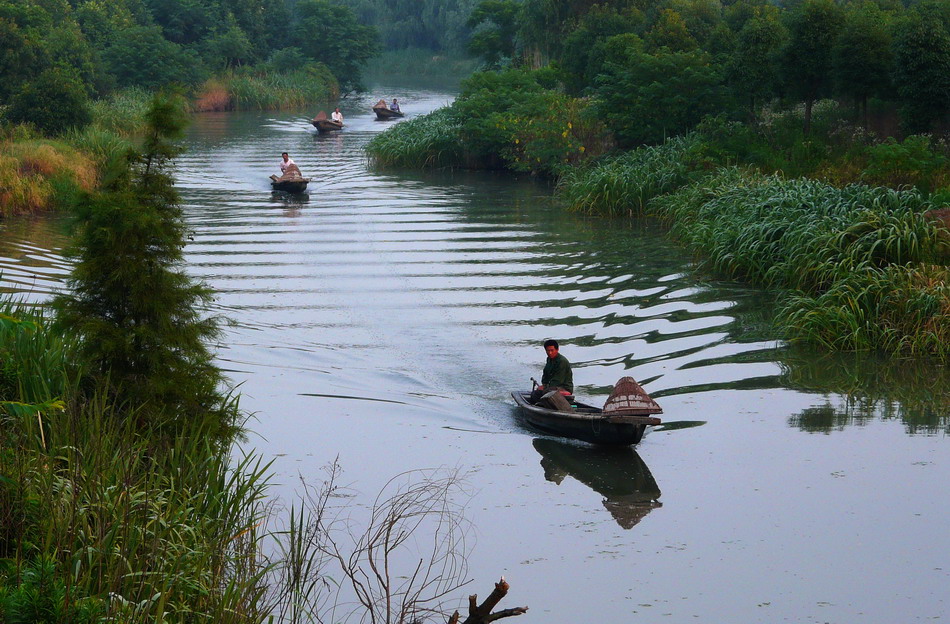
(383, 319)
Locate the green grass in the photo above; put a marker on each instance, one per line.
(863, 267)
(431, 140)
(624, 185)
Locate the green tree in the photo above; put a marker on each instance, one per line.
(647, 98)
(331, 35)
(922, 71)
(21, 57)
(140, 317)
(753, 69)
(55, 101)
(861, 58)
(584, 49)
(141, 56)
(670, 32)
(495, 26)
(806, 60)
(229, 48)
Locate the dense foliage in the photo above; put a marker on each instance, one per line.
(90, 48)
(140, 317)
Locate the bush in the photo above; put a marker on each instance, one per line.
(910, 163)
(56, 101)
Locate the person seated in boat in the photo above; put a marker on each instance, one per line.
(394, 106)
(288, 168)
(337, 116)
(556, 375)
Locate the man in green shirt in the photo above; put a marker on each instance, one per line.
(556, 375)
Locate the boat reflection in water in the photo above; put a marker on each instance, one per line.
(630, 492)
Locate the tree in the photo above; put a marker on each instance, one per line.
(331, 35)
(21, 57)
(806, 61)
(584, 53)
(647, 98)
(670, 32)
(922, 71)
(141, 56)
(230, 47)
(54, 102)
(752, 71)
(140, 317)
(495, 25)
(861, 58)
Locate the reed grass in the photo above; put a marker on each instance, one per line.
(250, 89)
(41, 174)
(428, 141)
(862, 265)
(624, 185)
(136, 525)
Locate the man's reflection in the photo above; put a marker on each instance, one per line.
(630, 492)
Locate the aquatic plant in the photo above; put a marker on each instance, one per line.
(431, 140)
(625, 184)
(862, 265)
(41, 174)
(253, 89)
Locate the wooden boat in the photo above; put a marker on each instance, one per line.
(323, 125)
(383, 113)
(289, 184)
(624, 420)
(617, 473)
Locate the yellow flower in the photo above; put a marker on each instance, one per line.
(570, 125)
(564, 134)
(517, 141)
(581, 148)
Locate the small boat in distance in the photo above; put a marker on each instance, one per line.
(384, 113)
(324, 125)
(623, 421)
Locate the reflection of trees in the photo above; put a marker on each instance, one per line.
(618, 474)
(917, 392)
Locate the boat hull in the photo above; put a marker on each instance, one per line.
(326, 125)
(587, 423)
(290, 186)
(384, 114)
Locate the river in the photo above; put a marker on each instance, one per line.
(383, 319)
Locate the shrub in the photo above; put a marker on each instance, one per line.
(54, 102)
(910, 163)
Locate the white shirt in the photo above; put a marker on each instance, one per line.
(335, 116)
(286, 163)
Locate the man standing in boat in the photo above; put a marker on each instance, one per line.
(556, 375)
(337, 116)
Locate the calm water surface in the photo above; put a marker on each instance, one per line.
(384, 318)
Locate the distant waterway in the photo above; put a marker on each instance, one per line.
(384, 317)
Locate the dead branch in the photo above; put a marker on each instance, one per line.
(482, 614)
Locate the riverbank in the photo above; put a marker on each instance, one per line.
(39, 173)
(844, 226)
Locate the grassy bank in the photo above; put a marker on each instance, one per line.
(102, 519)
(507, 120)
(262, 88)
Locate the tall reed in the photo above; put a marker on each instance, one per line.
(431, 140)
(624, 185)
(863, 265)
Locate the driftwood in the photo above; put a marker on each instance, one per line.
(482, 614)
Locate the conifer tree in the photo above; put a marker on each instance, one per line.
(142, 320)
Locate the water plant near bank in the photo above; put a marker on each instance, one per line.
(624, 185)
(262, 88)
(864, 267)
(502, 120)
(37, 173)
